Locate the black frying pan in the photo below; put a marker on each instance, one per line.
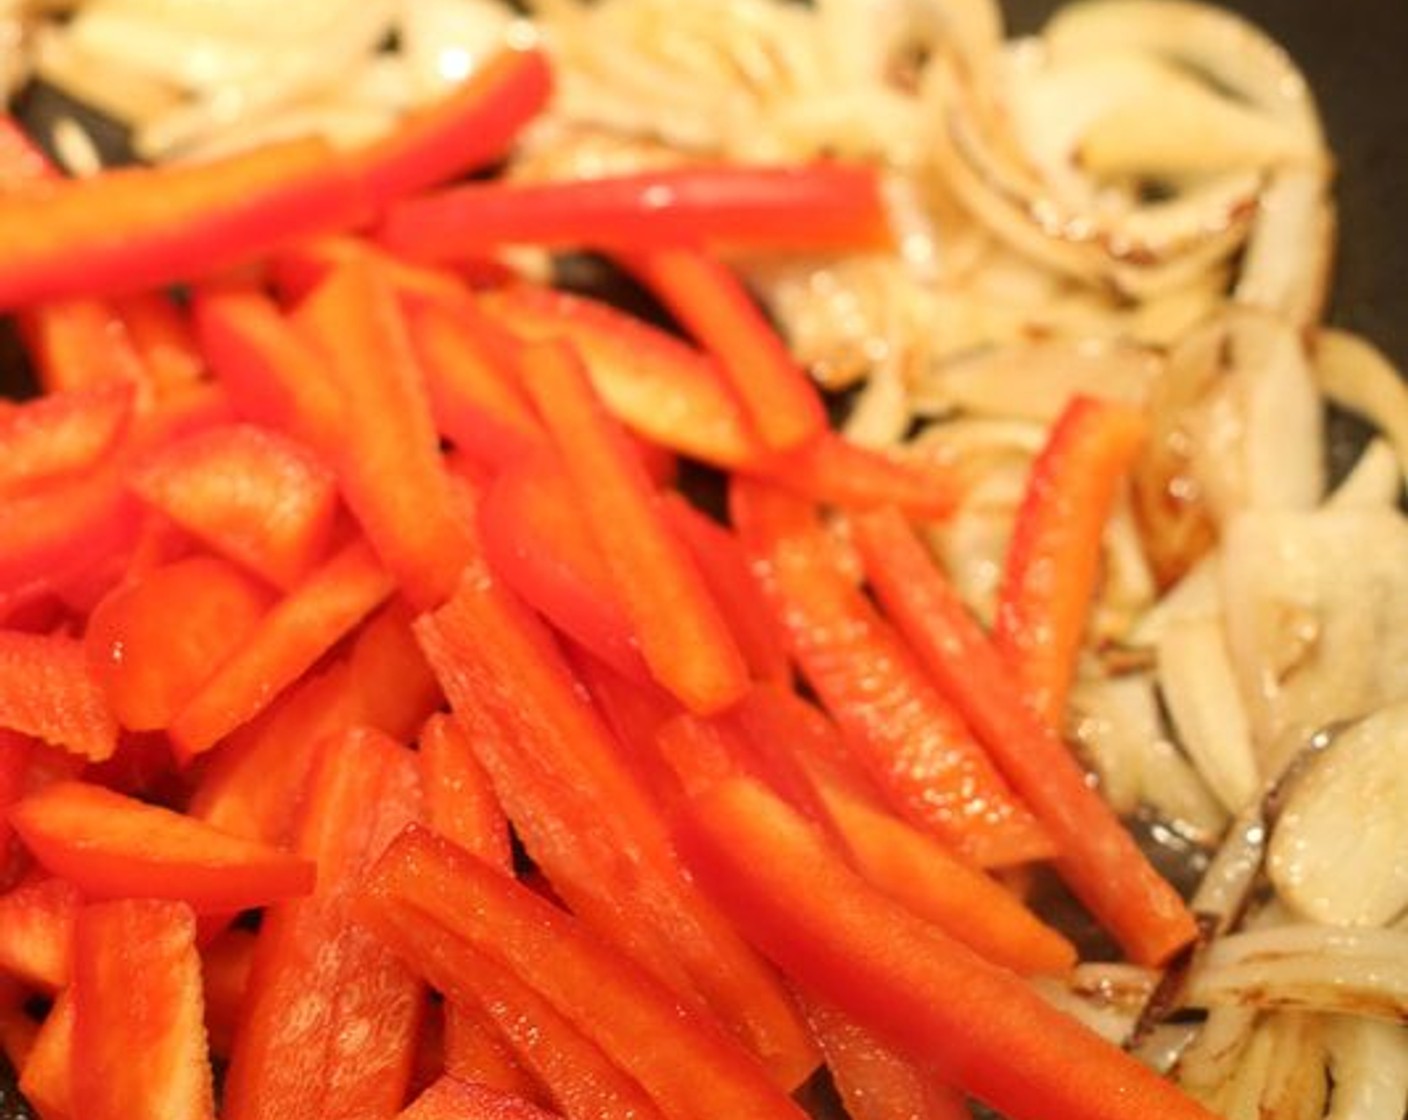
(1352, 53)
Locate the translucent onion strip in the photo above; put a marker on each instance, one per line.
(1306, 967)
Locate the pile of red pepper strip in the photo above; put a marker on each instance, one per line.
(318, 583)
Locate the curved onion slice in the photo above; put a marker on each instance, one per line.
(1369, 1062)
(1376, 482)
(1357, 376)
(1317, 615)
(1306, 967)
(1339, 850)
(1200, 689)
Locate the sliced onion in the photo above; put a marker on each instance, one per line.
(1339, 850)
(1035, 381)
(1376, 482)
(1200, 690)
(1317, 615)
(1306, 967)
(444, 41)
(1286, 268)
(1281, 1073)
(1369, 1063)
(1357, 376)
(1210, 1060)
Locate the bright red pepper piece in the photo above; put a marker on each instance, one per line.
(135, 228)
(1053, 561)
(906, 736)
(394, 689)
(980, 1027)
(387, 455)
(250, 494)
(1096, 855)
(18, 1031)
(781, 402)
(724, 567)
(657, 385)
(452, 1099)
(152, 642)
(572, 1070)
(471, 368)
(690, 1069)
(274, 375)
(537, 541)
(682, 635)
(554, 765)
(460, 801)
(61, 434)
(725, 207)
(46, 1080)
(350, 1050)
(164, 338)
(80, 343)
(253, 784)
(112, 846)
(904, 862)
(475, 1050)
(36, 932)
(48, 691)
(471, 128)
(286, 642)
(139, 1021)
(874, 1082)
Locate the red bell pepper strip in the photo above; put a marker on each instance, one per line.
(725, 207)
(297, 269)
(724, 567)
(554, 765)
(904, 862)
(471, 370)
(392, 685)
(461, 806)
(475, 1050)
(274, 375)
(537, 541)
(48, 691)
(657, 385)
(139, 1019)
(151, 642)
(112, 846)
(349, 1051)
(287, 641)
(61, 434)
(671, 394)
(1095, 855)
(682, 635)
(36, 933)
(460, 801)
(691, 1068)
(873, 1081)
(781, 402)
(80, 343)
(387, 455)
(1053, 561)
(164, 338)
(253, 784)
(572, 1071)
(472, 127)
(250, 494)
(47, 1077)
(135, 228)
(832, 470)
(980, 1027)
(225, 966)
(452, 1099)
(906, 736)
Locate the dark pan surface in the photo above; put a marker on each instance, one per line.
(1352, 52)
